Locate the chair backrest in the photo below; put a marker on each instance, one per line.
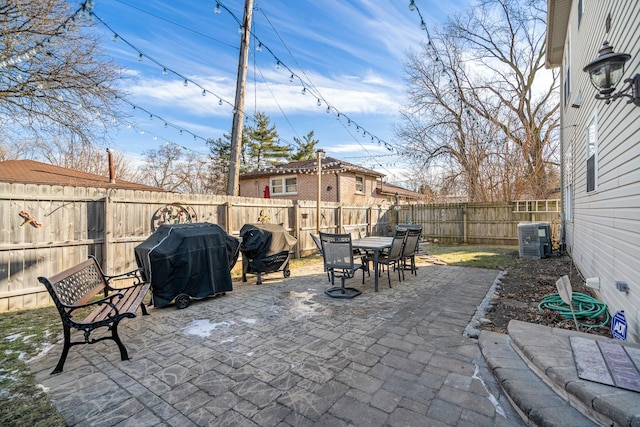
(411, 242)
(397, 244)
(337, 251)
(352, 230)
(316, 240)
(409, 227)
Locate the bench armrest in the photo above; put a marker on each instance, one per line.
(135, 274)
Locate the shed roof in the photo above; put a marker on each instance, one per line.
(32, 172)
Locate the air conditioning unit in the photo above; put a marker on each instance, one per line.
(534, 239)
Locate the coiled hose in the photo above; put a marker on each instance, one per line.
(584, 307)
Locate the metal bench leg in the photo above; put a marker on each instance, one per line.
(123, 350)
(65, 350)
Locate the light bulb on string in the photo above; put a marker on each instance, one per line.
(278, 65)
(423, 26)
(328, 109)
(180, 131)
(319, 103)
(219, 101)
(204, 92)
(291, 78)
(412, 6)
(259, 47)
(240, 29)
(164, 72)
(186, 83)
(140, 57)
(114, 38)
(217, 9)
(304, 90)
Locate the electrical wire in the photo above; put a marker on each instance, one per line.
(584, 307)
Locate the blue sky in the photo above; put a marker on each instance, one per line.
(349, 54)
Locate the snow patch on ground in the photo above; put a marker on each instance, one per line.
(203, 328)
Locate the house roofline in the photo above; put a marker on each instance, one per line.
(329, 164)
(558, 12)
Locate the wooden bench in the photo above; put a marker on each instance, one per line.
(74, 291)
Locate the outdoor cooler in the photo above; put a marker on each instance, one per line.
(265, 249)
(185, 261)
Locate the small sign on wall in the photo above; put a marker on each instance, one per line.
(619, 326)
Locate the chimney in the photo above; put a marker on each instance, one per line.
(112, 169)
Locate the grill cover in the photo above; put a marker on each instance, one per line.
(260, 242)
(194, 259)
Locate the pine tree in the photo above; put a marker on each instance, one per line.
(306, 148)
(262, 147)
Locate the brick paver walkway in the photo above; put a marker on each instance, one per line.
(285, 354)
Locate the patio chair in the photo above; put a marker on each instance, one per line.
(394, 255)
(316, 240)
(410, 249)
(339, 261)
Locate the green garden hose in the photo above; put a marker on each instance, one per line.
(584, 307)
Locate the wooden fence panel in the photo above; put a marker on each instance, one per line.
(109, 224)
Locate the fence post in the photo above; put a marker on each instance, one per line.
(107, 231)
(339, 220)
(296, 227)
(465, 225)
(227, 213)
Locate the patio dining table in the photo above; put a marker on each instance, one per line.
(375, 244)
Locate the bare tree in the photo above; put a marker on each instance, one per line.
(56, 87)
(176, 169)
(481, 108)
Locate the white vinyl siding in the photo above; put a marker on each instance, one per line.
(592, 155)
(601, 179)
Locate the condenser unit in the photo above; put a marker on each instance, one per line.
(534, 239)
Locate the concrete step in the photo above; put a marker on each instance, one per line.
(535, 366)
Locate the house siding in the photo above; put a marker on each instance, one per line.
(343, 188)
(602, 231)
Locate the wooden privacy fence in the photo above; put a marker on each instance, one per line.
(46, 229)
(480, 223)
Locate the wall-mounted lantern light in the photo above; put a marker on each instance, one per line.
(605, 73)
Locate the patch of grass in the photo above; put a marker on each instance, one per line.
(493, 257)
(23, 335)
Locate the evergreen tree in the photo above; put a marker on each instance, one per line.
(306, 148)
(262, 147)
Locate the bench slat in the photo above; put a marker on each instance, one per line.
(129, 303)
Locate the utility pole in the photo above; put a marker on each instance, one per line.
(238, 112)
(319, 157)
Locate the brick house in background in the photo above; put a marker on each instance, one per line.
(340, 182)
